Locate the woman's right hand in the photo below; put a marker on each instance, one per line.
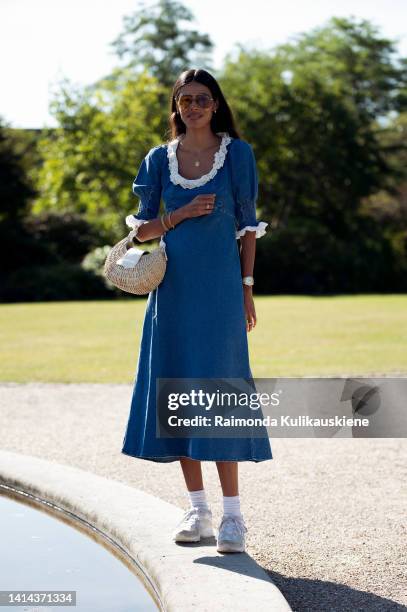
(201, 205)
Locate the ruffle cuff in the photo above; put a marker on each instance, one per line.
(260, 229)
(134, 223)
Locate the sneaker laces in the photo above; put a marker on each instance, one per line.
(233, 522)
(189, 516)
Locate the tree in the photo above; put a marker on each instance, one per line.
(311, 108)
(91, 159)
(351, 59)
(15, 189)
(154, 40)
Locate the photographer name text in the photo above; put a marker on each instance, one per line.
(267, 421)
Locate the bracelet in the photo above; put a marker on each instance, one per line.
(163, 223)
(169, 220)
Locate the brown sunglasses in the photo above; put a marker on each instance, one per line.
(185, 101)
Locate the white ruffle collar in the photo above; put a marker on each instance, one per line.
(219, 159)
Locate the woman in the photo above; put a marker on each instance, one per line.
(196, 321)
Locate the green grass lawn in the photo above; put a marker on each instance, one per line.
(98, 341)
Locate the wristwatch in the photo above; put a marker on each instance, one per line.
(248, 280)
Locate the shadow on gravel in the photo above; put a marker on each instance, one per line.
(306, 595)
(302, 594)
(241, 563)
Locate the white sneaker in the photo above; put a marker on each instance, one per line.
(231, 534)
(195, 523)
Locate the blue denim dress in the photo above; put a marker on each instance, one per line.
(194, 324)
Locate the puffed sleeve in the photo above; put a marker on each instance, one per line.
(245, 179)
(147, 186)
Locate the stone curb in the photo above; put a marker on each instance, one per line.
(183, 577)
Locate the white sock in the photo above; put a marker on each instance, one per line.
(231, 506)
(197, 499)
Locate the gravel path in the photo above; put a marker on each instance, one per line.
(326, 517)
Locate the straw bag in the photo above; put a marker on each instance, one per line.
(134, 270)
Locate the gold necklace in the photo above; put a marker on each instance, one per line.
(197, 162)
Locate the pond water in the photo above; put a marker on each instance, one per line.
(47, 550)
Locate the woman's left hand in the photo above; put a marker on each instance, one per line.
(249, 308)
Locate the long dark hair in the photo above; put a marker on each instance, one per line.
(222, 120)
